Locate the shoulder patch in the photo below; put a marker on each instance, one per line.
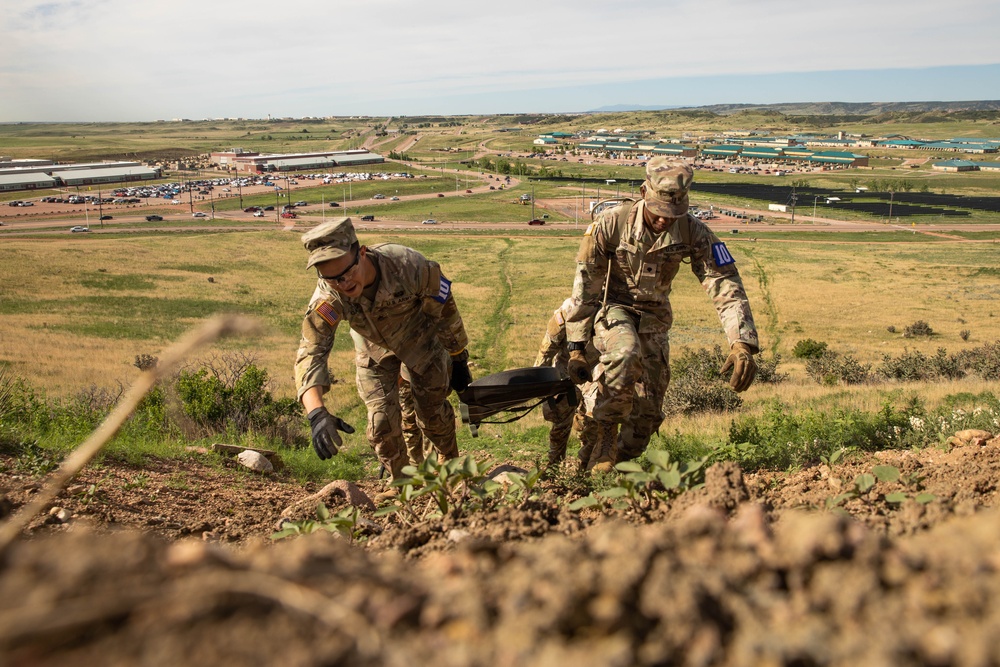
(560, 318)
(326, 311)
(721, 254)
(444, 290)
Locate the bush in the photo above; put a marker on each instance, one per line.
(231, 395)
(779, 439)
(984, 360)
(914, 365)
(918, 328)
(809, 349)
(697, 386)
(834, 368)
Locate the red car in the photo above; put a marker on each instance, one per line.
(288, 214)
(536, 221)
(440, 194)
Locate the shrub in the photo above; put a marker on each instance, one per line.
(914, 365)
(918, 328)
(779, 438)
(231, 395)
(809, 349)
(834, 368)
(964, 334)
(984, 360)
(697, 386)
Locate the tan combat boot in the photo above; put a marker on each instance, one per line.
(395, 467)
(603, 457)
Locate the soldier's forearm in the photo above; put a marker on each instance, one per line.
(312, 398)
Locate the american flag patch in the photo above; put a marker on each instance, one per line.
(443, 291)
(721, 254)
(326, 311)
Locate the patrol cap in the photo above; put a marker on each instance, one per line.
(329, 240)
(667, 185)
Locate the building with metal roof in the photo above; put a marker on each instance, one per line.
(961, 148)
(955, 165)
(840, 158)
(25, 181)
(109, 175)
(676, 150)
(762, 153)
(722, 150)
(988, 166)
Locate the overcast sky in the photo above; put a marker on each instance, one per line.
(117, 60)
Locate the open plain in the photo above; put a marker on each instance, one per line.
(836, 519)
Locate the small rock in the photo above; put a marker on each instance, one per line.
(255, 461)
(499, 474)
(60, 514)
(211, 279)
(330, 494)
(457, 535)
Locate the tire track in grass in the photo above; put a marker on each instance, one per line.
(770, 309)
(492, 348)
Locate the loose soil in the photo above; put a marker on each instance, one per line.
(171, 564)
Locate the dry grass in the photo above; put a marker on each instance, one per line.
(76, 311)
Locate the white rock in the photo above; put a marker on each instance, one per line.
(255, 461)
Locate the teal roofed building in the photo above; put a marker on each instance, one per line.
(840, 158)
(955, 165)
(900, 143)
(676, 150)
(722, 150)
(762, 153)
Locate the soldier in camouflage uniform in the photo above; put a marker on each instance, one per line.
(400, 306)
(563, 416)
(627, 261)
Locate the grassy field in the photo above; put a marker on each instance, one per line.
(77, 311)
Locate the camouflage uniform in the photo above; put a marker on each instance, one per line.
(631, 330)
(413, 320)
(564, 417)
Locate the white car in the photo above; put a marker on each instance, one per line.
(258, 214)
(393, 198)
(79, 228)
(429, 221)
(198, 214)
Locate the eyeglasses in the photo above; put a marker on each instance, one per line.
(342, 276)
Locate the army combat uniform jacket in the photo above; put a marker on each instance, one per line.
(413, 317)
(643, 266)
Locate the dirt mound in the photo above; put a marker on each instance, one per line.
(818, 589)
(747, 570)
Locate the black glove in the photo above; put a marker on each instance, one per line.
(460, 374)
(326, 441)
(577, 367)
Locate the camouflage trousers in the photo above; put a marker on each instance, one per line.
(631, 378)
(416, 450)
(378, 386)
(564, 419)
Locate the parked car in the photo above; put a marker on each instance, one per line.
(268, 208)
(251, 209)
(536, 221)
(199, 214)
(334, 204)
(468, 192)
(79, 228)
(368, 218)
(393, 198)
(154, 218)
(379, 197)
(105, 217)
(259, 214)
(302, 203)
(429, 221)
(288, 214)
(440, 194)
